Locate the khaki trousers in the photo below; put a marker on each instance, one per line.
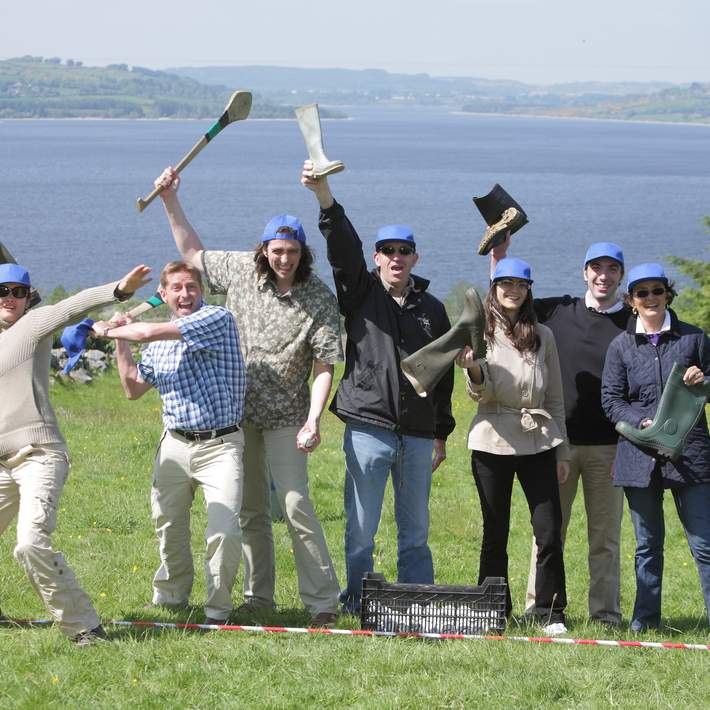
(272, 454)
(31, 483)
(604, 504)
(180, 467)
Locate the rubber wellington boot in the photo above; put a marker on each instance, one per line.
(502, 214)
(429, 364)
(7, 258)
(678, 412)
(309, 123)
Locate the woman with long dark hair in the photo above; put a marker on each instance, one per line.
(519, 429)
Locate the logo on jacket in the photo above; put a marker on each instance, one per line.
(425, 324)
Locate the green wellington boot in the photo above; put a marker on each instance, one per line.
(429, 364)
(678, 412)
(502, 214)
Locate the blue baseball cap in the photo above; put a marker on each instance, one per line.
(395, 233)
(646, 272)
(512, 268)
(284, 226)
(74, 341)
(600, 249)
(14, 274)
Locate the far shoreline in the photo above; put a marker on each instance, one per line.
(583, 118)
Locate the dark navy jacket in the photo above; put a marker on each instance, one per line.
(380, 333)
(635, 372)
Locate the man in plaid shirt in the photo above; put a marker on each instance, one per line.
(195, 362)
(289, 327)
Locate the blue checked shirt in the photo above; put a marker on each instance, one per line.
(201, 377)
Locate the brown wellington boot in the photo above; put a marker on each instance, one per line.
(502, 214)
(429, 364)
(309, 123)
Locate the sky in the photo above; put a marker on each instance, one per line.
(536, 41)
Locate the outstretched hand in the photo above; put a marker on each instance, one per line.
(168, 181)
(135, 279)
(319, 186)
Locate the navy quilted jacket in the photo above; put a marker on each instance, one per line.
(635, 372)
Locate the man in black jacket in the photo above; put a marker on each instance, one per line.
(389, 428)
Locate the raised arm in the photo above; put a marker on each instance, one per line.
(498, 253)
(186, 238)
(345, 254)
(47, 319)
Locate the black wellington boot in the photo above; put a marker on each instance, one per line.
(678, 412)
(502, 214)
(429, 364)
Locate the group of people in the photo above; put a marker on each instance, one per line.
(239, 416)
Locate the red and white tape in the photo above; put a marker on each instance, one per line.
(396, 634)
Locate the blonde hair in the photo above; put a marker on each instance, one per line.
(174, 267)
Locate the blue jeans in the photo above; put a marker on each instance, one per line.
(646, 506)
(371, 454)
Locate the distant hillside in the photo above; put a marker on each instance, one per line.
(351, 86)
(691, 104)
(342, 86)
(34, 87)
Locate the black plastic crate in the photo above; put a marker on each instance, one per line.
(432, 608)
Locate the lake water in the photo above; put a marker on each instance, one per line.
(68, 189)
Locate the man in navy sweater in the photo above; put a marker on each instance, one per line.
(583, 328)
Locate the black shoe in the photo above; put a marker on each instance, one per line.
(88, 638)
(210, 621)
(502, 214)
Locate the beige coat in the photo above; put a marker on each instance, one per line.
(520, 403)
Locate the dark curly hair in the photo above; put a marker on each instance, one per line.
(303, 270)
(523, 334)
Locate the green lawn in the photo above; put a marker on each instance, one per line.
(105, 531)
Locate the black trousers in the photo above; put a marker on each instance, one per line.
(494, 475)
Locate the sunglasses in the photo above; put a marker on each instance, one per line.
(645, 292)
(510, 283)
(404, 251)
(16, 291)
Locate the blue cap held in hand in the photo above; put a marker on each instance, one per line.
(601, 249)
(395, 233)
(284, 226)
(646, 272)
(512, 268)
(74, 341)
(14, 274)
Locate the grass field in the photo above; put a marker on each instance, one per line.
(105, 531)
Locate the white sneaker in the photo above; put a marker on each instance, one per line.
(556, 629)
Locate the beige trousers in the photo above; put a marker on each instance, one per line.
(272, 454)
(604, 504)
(180, 467)
(31, 483)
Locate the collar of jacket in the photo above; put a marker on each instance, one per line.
(420, 284)
(674, 331)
